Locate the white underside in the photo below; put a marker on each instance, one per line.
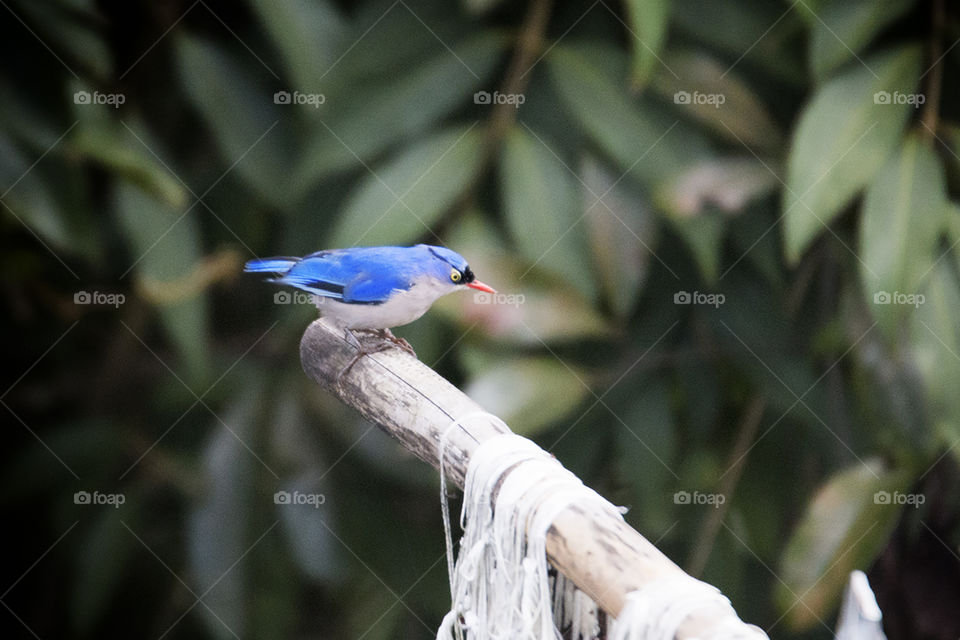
(401, 308)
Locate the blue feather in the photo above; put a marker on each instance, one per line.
(361, 275)
(269, 265)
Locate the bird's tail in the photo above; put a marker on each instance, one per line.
(270, 265)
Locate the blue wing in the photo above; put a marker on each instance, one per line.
(364, 275)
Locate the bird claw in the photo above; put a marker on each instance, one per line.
(386, 334)
(387, 340)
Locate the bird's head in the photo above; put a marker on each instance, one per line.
(452, 269)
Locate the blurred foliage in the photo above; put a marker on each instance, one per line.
(725, 236)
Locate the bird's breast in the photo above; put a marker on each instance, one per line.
(400, 308)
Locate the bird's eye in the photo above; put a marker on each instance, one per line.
(455, 275)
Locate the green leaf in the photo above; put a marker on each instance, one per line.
(366, 118)
(841, 29)
(309, 34)
(29, 197)
(312, 545)
(649, 145)
(844, 136)
(762, 35)
(541, 208)
(646, 448)
(166, 246)
(709, 92)
(623, 234)
(400, 201)
(387, 43)
(530, 393)
(845, 526)
(219, 525)
(118, 149)
(903, 214)
(647, 29)
(935, 346)
(480, 6)
(306, 523)
(254, 136)
(951, 220)
(75, 36)
(703, 234)
(24, 118)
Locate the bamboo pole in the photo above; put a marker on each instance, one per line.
(600, 553)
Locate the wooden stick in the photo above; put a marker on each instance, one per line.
(605, 557)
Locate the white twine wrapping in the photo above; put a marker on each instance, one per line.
(499, 586)
(656, 611)
(574, 610)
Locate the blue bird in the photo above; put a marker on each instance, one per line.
(373, 288)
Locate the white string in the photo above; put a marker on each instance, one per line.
(500, 587)
(573, 610)
(513, 490)
(444, 504)
(656, 611)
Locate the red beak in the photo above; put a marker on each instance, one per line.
(476, 284)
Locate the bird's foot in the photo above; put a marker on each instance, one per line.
(387, 335)
(361, 351)
(387, 340)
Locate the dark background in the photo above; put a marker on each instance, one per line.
(724, 234)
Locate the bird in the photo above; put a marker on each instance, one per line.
(373, 289)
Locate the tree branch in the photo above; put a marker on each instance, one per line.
(603, 555)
